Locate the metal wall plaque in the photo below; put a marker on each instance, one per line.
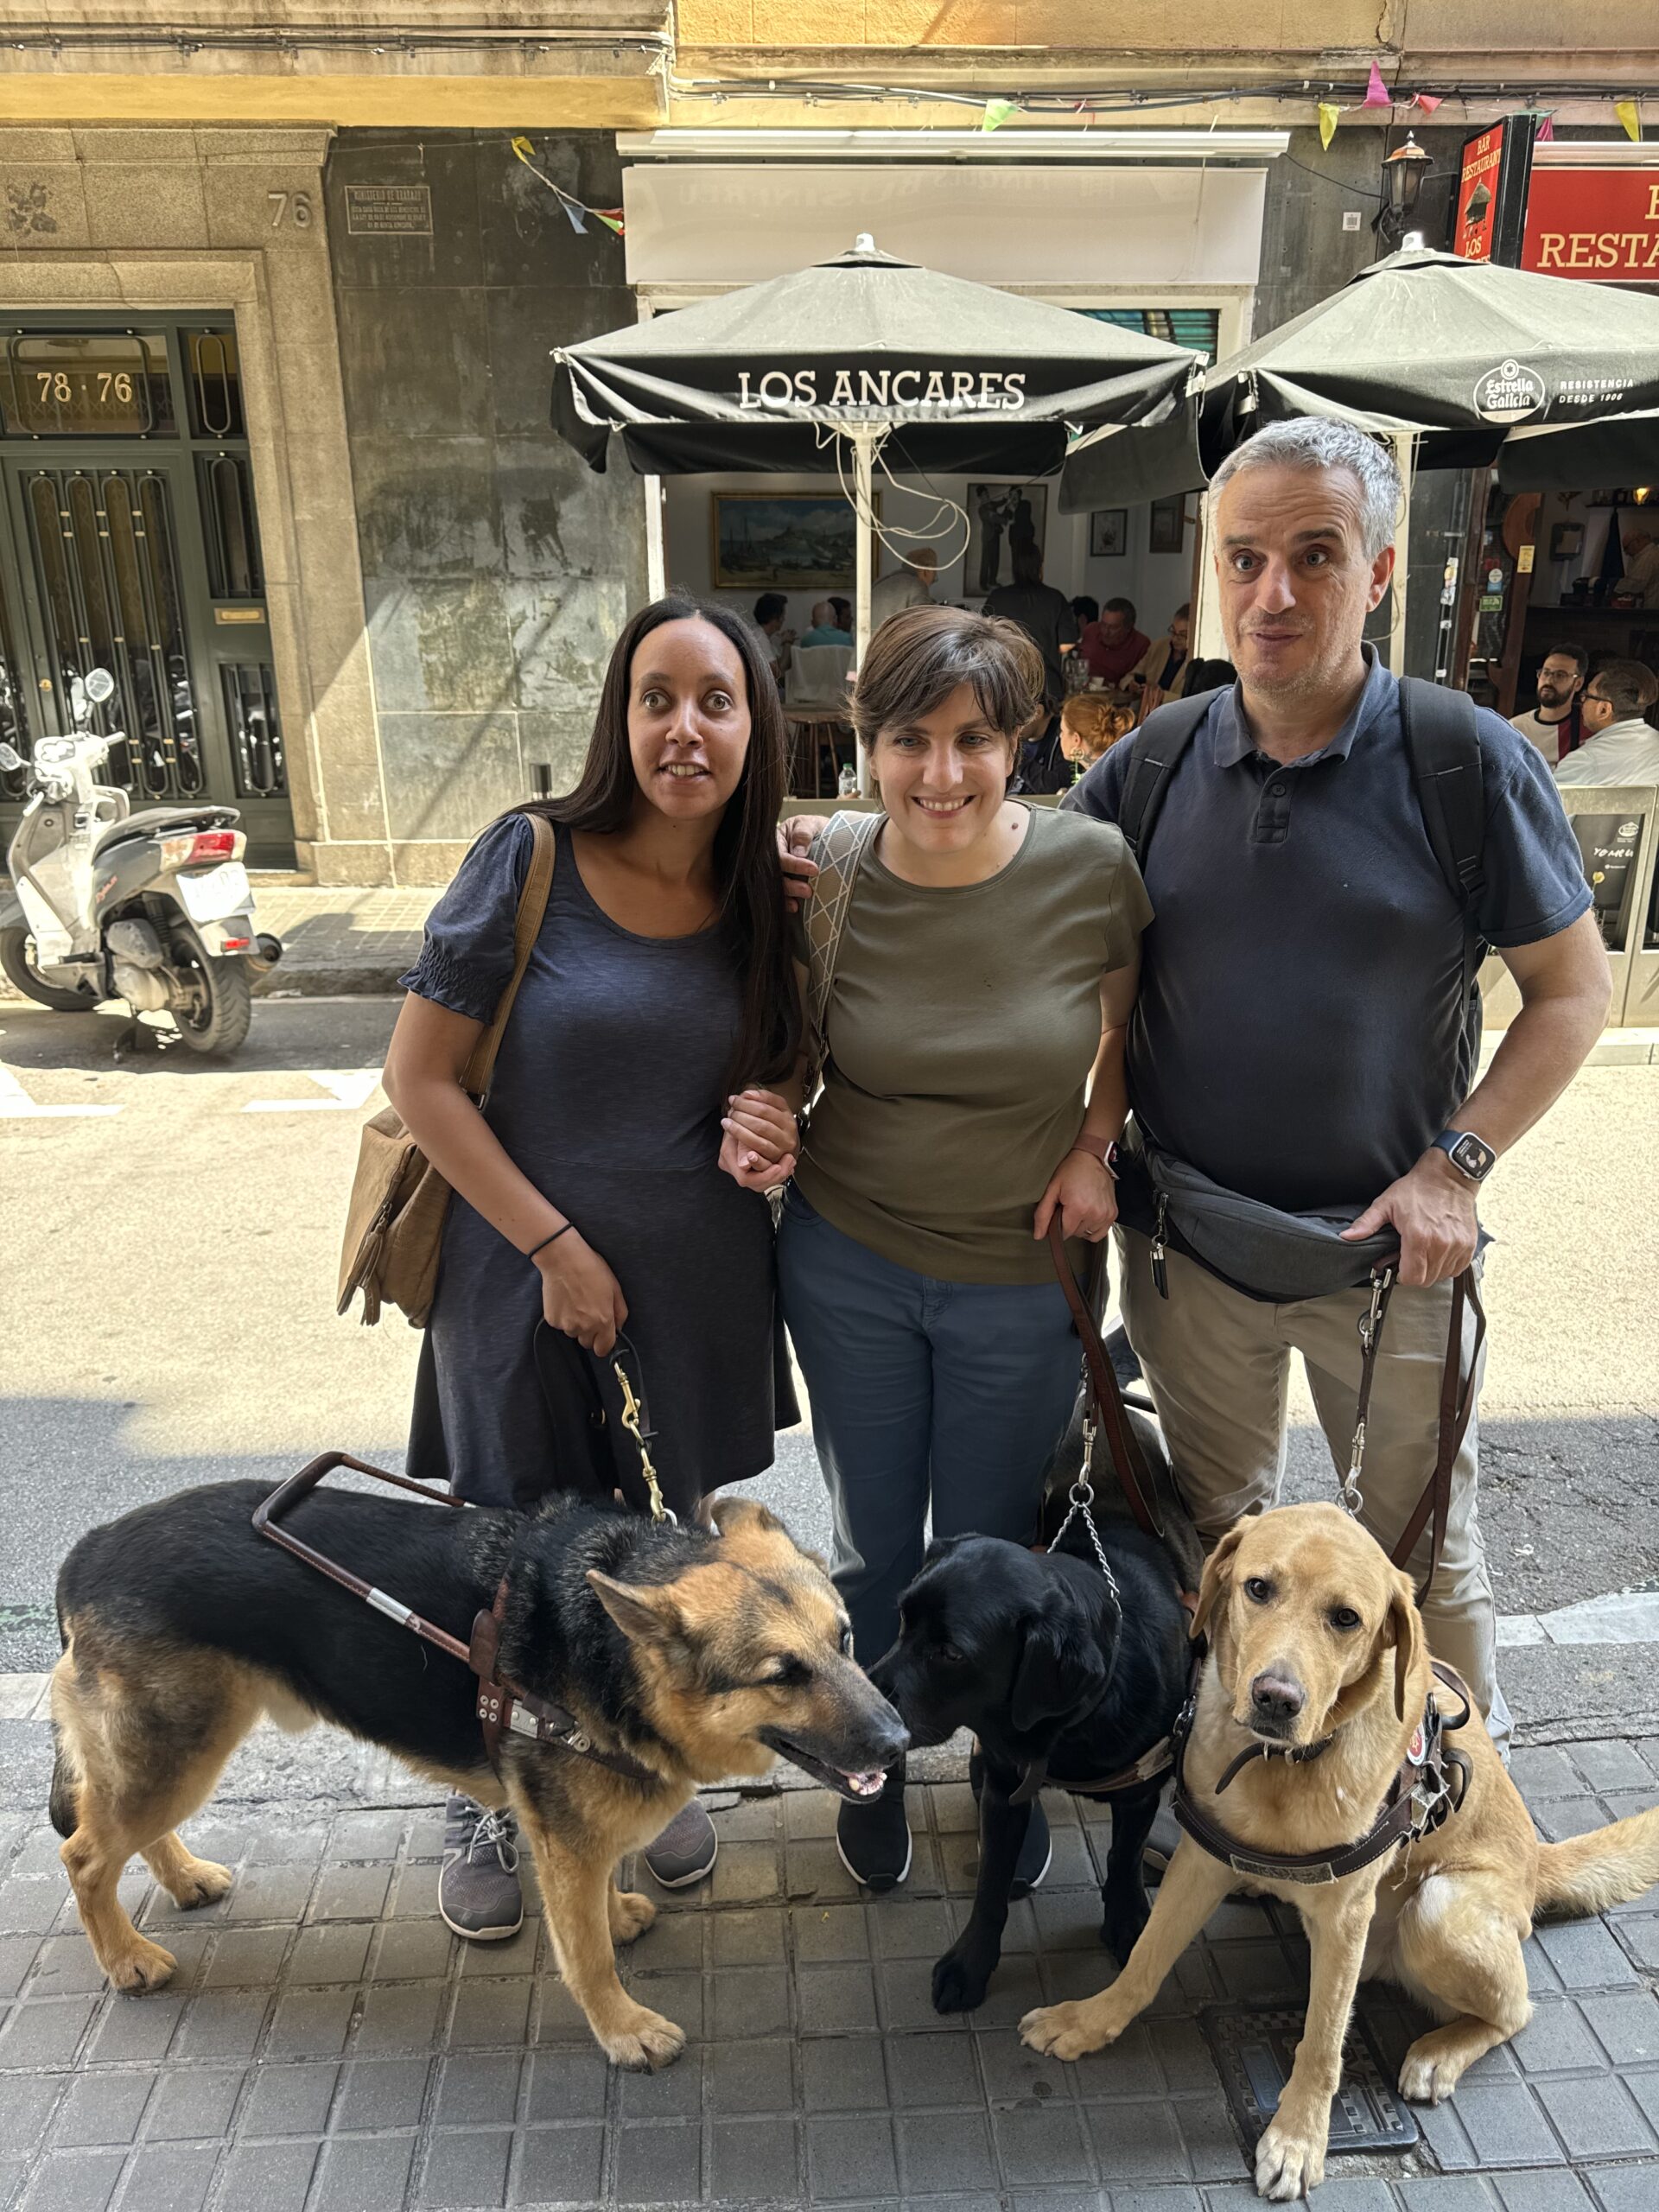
(388, 210)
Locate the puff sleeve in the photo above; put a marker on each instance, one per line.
(466, 957)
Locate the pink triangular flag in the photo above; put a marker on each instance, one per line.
(1545, 131)
(1428, 101)
(1377, 92)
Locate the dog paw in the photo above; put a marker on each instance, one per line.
(146, 1966)
(1286, 2166)
(960, 1981)
(631, 1915)
(201, 1882)
(649, 2041)
(1426, 2078)
(1063, 2031)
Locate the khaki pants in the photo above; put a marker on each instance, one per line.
(1217, 1366)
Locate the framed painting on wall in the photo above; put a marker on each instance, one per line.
(1108, 533)
(761, 541)
(1003, 518)
(1168, 524)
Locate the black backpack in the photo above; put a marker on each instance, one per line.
(1445, 749)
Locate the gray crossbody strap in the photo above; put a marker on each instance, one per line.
(839, 849)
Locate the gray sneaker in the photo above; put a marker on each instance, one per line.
(684, 1852)
(479, 1895)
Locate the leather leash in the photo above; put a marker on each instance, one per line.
(502, 1703)
(1102, 1401)
(1457, 1405)
(1419, 1798)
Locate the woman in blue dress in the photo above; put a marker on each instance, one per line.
(641, 1105)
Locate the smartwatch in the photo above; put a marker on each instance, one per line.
(1471, 1156)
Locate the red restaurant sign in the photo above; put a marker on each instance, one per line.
(1599, 225)
(1483, 159)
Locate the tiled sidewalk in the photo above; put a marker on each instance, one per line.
(328, 2047)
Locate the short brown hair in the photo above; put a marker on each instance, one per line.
(1629, 687)
(918, 657)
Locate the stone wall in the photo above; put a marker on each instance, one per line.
(497, 568)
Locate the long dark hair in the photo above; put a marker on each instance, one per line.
(746, 844)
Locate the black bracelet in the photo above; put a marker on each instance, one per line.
(546, 1240)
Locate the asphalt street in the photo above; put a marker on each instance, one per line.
(171, 1232)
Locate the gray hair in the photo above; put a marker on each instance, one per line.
(1318, 442)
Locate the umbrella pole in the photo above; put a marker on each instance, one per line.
(863, 441)
(1405, 454)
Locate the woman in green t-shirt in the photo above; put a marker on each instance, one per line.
(972, 1085)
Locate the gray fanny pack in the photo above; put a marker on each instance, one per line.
(1254, 1248)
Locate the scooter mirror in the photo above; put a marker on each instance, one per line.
(9, 759)
(99, 685)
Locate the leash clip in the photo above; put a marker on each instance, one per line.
(631, 1422)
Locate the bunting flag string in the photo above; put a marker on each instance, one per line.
(575, 209)
(1328, 114)
(1629, 114)
(1428, 101)
(997, 113)
(1377, 92)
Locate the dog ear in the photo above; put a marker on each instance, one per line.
(1409, 1645)
(1218, 1579)
(1059, 1670)
(645, 1612)
(735, 1516)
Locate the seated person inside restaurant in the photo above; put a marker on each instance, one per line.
(1090, 724)
(1087, 610)
(1620, 745)
(1555, 725)
(1112, 646)
(1161, 671)
(770, 618)
(827, 628)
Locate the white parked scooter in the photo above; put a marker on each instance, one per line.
(154, 907)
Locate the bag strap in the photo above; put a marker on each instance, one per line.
(526, 928)
(1443, 740)
(839, 849)
(1103, 1400)
(1155, 753)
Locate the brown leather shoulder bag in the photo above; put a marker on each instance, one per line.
(394, 1222)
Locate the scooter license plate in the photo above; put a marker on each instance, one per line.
(208, 894)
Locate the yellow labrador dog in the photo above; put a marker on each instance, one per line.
(1316, 1640)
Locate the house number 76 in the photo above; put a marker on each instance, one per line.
(292, 207)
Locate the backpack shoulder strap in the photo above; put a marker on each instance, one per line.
(1156, 750)
(1443, 741)
(839, 849)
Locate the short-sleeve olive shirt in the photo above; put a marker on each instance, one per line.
(962, 1027)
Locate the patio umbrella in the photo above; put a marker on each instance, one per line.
(1459, 355)
(942, 373)
(825, 368)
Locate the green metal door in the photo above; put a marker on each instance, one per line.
(129, 541)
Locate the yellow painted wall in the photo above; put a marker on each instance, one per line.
(454, 103)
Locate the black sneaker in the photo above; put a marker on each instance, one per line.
(479, 1895)
(1037, 1852)
(873, 1836)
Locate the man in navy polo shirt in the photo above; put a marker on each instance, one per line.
(1300, 1034)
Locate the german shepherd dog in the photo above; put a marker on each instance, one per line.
(698, 1656)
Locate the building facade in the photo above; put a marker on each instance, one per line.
(279, 302)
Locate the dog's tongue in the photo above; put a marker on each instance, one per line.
(865, 1785)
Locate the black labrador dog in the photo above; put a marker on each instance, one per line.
(1034, 1653)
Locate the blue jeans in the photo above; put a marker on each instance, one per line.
(952, 1395)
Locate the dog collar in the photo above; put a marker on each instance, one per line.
(1427, 1789)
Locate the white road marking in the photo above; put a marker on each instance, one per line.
(1622, 1617)
(16, 1105)
(349, 1089)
